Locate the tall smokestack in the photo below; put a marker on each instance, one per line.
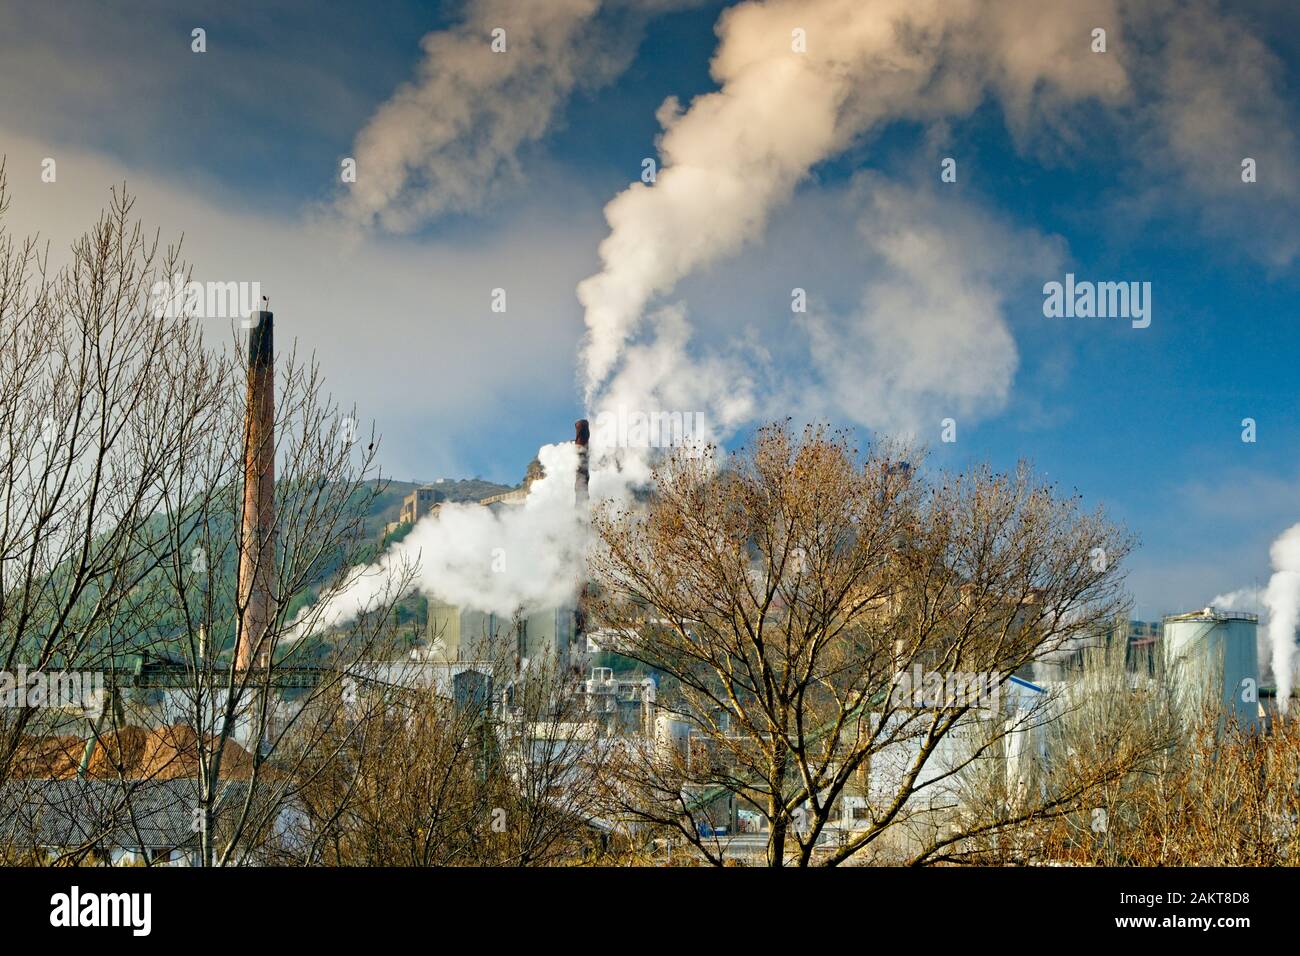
(582, 436)
(257, 553)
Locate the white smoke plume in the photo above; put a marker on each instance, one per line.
(732, 158)
(1282, 597)
(527, 555)
(929, 338)
(736, 154)
(800, 81)
(1250, 599)
(446, 140)
(1242, 599)
(1279, 601)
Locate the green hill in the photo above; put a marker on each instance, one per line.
(150, 622)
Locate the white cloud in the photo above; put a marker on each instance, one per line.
(403, 329)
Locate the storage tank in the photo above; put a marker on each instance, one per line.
(672, 736)
(1211, 651)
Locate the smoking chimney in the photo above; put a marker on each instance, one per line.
(583, 435)
(257, 552)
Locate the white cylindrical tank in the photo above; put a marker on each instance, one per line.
(1211, 651)
(672, 734)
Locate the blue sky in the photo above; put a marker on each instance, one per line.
(247, 139)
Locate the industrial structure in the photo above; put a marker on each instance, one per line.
(257, 533)
(620, 705)
(1210, 655)
(459, 634)
(418, 504)
(479, 659)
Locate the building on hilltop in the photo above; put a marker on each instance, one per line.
(419, 503)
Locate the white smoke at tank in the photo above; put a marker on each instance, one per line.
(1282, 598)
(1242, 599)
(1279, 604)
(1251, 599)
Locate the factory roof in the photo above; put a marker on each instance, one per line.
(155, 814)
(1213, 614)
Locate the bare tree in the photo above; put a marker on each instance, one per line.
(1102, 735)
(1214, 793)
(505, 771)
(126, 432)
(97, 408)
(790, 595)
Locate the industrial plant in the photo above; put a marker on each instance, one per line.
(552, 677)
(600, 698)
(681, 442)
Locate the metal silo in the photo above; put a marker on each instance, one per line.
(1212, 653)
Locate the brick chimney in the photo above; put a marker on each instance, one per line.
(257, 550)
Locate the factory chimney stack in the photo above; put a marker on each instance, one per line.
(257, 540)
(581, 438)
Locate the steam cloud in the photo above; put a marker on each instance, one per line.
(928, 338)
(1280, 600)
(728, 161)
(1243, 599)
(1282, 597)
(447, 140)
(477, 558)
(735, 155)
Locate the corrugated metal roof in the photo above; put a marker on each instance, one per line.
(156, 814)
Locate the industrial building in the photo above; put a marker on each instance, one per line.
(464, 634)
(477, 658)
(620, 705)
(419, 503)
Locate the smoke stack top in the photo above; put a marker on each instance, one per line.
(261, 341)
